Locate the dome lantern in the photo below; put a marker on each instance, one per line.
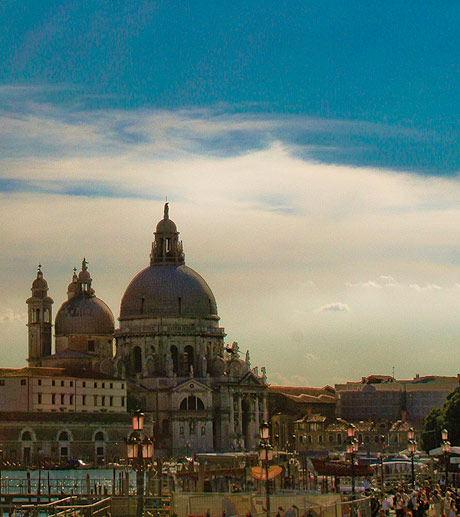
(166, 248)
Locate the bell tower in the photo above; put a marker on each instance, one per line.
(39, 320)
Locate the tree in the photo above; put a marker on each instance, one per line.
(447, 417)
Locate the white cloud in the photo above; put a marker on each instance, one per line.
(426, 287)
(369, 283)
(269, 270)
(334, 307)
(9, 315)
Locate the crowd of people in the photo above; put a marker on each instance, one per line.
(420, 501)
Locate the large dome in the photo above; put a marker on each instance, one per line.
(168, 291)
(84, 315)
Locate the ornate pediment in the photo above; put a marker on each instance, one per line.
(251, 380)
(191, 385)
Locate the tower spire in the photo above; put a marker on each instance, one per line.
(39, 320)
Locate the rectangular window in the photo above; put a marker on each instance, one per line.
(71, 399)
(62, 383)
(83, 400)
(122, 386)
(39, 398)
(95, 400)
(39, 382)
(53, 383)
(2, 382)
(111, 385)
(23, 382)
(103, 401)
(62, 399)
(122, 401)
(53, 399)
(103, 384)
(84, 384)
(95, 384)
(91, 346)
(99, 451)
(71, 384)
(64, 451)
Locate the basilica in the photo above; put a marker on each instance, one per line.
(201, 394)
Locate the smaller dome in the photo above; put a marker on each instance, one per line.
(84, 315)
(166, 226)
(84, 277)
(40, 283)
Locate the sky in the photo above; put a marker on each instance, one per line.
(309, 151)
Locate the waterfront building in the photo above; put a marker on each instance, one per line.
(381, 397)
(289, 403)
(203, 395)
(168, 352)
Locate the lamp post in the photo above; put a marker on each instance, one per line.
(139, 451)
(352, 449)
(382, 448)
(266, 457)
(445, 447)
(411, 447)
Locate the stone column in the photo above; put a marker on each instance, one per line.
(264, 401)
(240, 415)
(250, 437)
(232, 414)
(257, 415)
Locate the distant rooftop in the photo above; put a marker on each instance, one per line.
(305, 394)
(42, 371)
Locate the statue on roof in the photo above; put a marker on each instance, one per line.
(166, 211)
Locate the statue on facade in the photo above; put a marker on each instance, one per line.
(169, 365)
(264, 373)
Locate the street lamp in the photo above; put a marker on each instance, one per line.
(266, 457)
(139, 451)
(445, 447)
(351, 450)
(382, 447)
(412, 447)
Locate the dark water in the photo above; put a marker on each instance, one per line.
(73, 480)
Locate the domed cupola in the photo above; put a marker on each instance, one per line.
(84, 322)
(73, 287)
(168, 288)
(166, 248)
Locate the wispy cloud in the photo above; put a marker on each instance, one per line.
(29, 126)
(426, 287)
(334, 307)
(9, 315)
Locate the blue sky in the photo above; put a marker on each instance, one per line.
(389, 63)
(310, 151)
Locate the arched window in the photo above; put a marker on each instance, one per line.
(26, 436)
(188, 358)
(99, 436)
(174, 356)
(63, 437)
(137, 359)
(191, 403)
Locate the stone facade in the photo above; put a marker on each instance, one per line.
(381, 397)
(202, 395)
(33, 438)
